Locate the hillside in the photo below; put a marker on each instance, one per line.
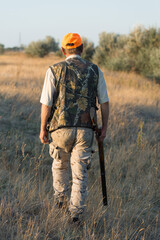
(132, 154)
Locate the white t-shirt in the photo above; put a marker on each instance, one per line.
(49, 87)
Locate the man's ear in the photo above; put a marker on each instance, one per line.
(63, 51)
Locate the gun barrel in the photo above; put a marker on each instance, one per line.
(102, 170)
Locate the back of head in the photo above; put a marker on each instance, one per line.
(72, 44)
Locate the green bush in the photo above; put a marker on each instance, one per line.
(142, 62)
(88, 49)
(139, 51)
(141, 38)
(155, 62)
(42, 48)
(1, 48)
(53, 46)
(38, 49)
(99, 56)
(121, 41)
(120, 62)
(109, 43)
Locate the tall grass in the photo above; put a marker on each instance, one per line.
(27, 209)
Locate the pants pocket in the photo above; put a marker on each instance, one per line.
(56, 153)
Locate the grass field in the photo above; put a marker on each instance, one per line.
(132, 156)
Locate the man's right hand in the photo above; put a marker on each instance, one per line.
(105, 115)
(44, 136)
(102, 135)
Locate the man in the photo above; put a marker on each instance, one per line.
(68, 98)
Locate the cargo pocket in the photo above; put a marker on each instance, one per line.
(56, 153)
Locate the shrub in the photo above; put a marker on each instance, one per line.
(100, 57)
(39, 49)
(155, 62)
(142, 61)
(139, 51)
(53, 46)
(141, 38)
(120, 62)
(88, 49)
(121, 41)
(108, 43)
(1, 48)
(42, 48)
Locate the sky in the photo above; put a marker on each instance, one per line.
(22, 22)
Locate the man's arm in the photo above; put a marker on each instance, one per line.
(45, 113)
(105, 115)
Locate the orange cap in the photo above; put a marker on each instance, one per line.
(71, 40)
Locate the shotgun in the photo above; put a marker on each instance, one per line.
(101, 157)
(102, 166)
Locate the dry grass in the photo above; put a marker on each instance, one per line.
(132, 155)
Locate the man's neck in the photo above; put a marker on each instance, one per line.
(73, 55)
(69, 55)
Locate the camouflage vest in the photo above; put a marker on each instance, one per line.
(75, 94)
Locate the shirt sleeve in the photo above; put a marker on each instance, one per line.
(102, 89)
(48, 89)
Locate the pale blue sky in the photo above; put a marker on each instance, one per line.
(36, 19)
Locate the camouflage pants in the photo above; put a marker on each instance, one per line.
(72, 145)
